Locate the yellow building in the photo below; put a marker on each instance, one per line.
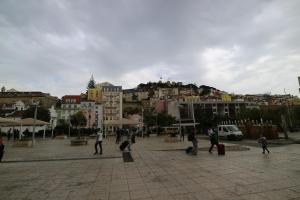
(295, 101)
(192, 99)
(95, 94)
(226, 97)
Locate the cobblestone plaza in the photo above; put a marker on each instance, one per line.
(55, 170)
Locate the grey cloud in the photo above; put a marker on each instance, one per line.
(59, 44)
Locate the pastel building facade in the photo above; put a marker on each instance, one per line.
(70, 105)
(112, 107)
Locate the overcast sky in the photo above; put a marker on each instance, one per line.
(237, 46)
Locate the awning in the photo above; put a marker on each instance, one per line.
(30, 122)
(8, 122)
(185, 124)
(124, 122)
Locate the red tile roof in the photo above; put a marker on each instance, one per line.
(71, 99)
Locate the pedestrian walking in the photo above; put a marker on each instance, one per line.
(8, 134)
(99, 139)
(214, 139)
(15, 134)
(210, 132)
(264, 144)
(130, 138)
(193, 139)
(1, 147)
(122, 134)
(181, 134)
(118, 136)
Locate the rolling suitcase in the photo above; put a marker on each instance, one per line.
(221, 149)
(123, 145)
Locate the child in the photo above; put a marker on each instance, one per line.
(264, 144)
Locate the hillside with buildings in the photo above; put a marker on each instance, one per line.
(107, 106)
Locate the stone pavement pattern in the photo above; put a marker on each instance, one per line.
(154, 174)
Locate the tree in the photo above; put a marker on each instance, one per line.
(58, 103)
(91, 83)
(42, 113)
(78, 120)
(192, 86)
(132, 110)
(62, 127)
(205, 118)
(163, 119)
(149, 119)
(160, 119)
(3, 89)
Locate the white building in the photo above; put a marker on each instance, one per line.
(70, 105)
(19, 105)
(112, 106)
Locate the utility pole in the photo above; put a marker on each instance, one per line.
(288, 111)
(193, 115)
(51, 128)
(179, 116)
(156, 124)
(34, 121)
(142, 122)
(299, 83)
(69, 133)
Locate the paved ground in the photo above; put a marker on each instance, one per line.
(160, 171)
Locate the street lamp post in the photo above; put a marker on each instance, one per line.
(179, 116)
(69, 133)
(89, 118)
(52, 128)
(142, 122)
(156, 123)
(193, 115)
(34, 121)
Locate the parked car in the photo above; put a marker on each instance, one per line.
(230, 132)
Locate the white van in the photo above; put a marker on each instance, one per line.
(231, 132)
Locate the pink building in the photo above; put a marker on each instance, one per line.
(161, 106)
(88, 109)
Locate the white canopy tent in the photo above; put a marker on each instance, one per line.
(27, 122)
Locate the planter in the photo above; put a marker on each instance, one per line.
(61, 137)
(23, 143)
(77, 142)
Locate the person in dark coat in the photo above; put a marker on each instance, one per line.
(118, 135)
(214, 139)
(9, 134)
(193, 139)
(1, 148)
(14, 134)
(264, 144)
